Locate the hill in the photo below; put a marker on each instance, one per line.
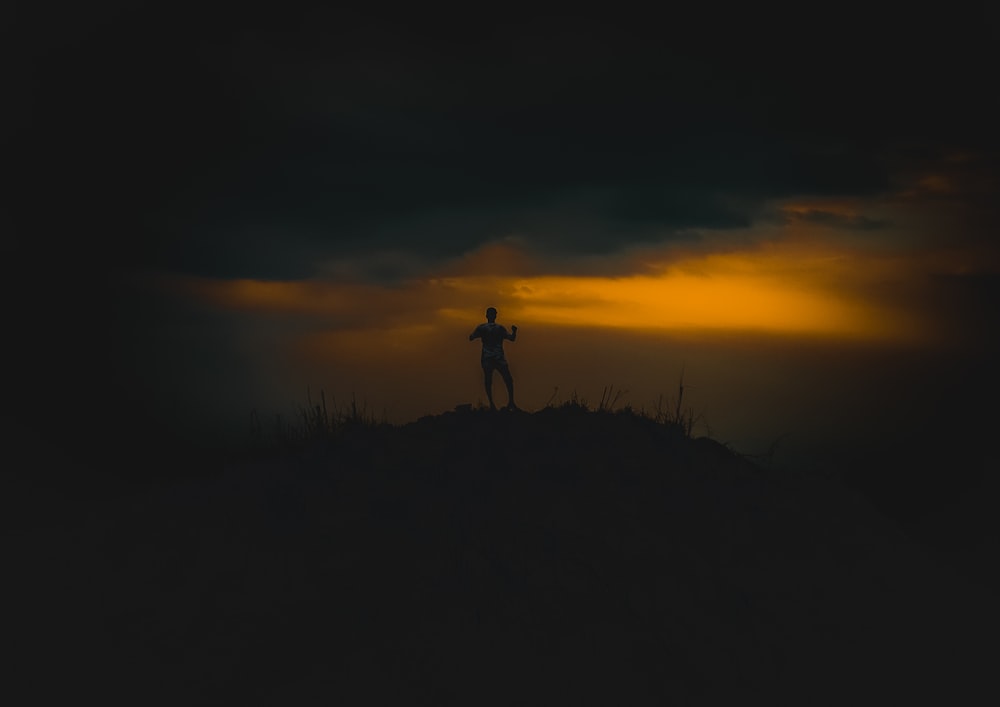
(560, 557)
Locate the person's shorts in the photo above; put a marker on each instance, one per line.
(494, 364)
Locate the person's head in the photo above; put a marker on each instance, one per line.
(491, 314)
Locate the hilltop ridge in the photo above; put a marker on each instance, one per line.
(530, 558)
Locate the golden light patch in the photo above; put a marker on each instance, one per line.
(679, 301)
(787, 290)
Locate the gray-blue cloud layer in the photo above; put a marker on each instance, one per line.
(256, 145)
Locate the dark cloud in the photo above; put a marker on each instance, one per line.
(849, 221)
(257, 144)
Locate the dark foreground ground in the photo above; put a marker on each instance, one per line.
(562, 557)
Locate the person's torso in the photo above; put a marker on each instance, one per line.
(492, 336)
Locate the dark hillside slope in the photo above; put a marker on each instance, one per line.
(561, 557)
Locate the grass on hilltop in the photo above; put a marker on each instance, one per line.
(318, 421)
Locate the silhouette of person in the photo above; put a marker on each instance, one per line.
(493, 359)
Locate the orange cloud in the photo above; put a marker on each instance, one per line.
(838, 206)
(790, 289)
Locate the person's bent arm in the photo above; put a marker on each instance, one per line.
(474, 334)
(513, 332)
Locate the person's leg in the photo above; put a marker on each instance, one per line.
(509, 381)
(488, 382)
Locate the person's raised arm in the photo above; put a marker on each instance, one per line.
(476, 333)
(513, 332)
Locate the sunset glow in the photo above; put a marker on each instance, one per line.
(786, 290)
(404, 344)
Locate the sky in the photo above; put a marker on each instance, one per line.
(219, 211)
